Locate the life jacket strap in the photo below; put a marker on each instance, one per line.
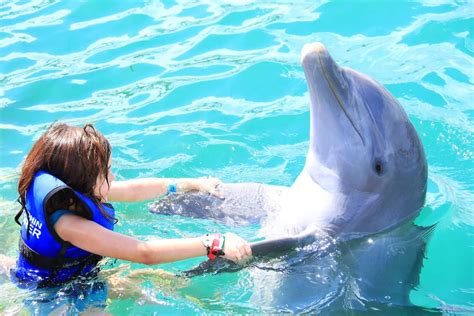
(45, 262)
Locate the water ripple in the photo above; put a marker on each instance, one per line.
(224, 79)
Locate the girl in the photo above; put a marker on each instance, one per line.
(65, 187)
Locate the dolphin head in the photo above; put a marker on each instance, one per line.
(362, 147)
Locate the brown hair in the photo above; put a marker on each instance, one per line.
(75, 155)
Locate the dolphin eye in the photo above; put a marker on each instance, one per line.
(378, 166)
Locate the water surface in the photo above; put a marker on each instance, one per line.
(197, 88)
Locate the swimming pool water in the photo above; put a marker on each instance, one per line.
(197, 88)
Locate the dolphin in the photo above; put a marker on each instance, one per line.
(365, 169)
(364, 179)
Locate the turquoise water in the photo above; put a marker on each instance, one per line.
(190, 89)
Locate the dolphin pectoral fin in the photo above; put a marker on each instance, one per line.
(386, 267)
(242, 204)
(280, 246)
(194, 204)
(205, 206)
(261, 250)
(217, 266)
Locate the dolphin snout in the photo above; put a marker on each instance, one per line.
(322, 73)
(315, 55)
(310, 53)
(327, 85)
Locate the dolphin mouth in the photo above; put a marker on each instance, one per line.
(319, 66)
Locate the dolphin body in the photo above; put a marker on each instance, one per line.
(364, 180)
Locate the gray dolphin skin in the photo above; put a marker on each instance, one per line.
(364, 180)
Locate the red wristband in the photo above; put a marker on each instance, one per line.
(216, 248)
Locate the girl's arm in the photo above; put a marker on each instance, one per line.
(92, 237)
(150, 188)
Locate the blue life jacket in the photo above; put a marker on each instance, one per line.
(45, 259)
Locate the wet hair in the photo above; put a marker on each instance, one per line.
(76, 155)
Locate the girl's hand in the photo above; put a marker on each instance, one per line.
(208, 185)
(236, 249)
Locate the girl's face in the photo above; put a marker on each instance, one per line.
(101, 186)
